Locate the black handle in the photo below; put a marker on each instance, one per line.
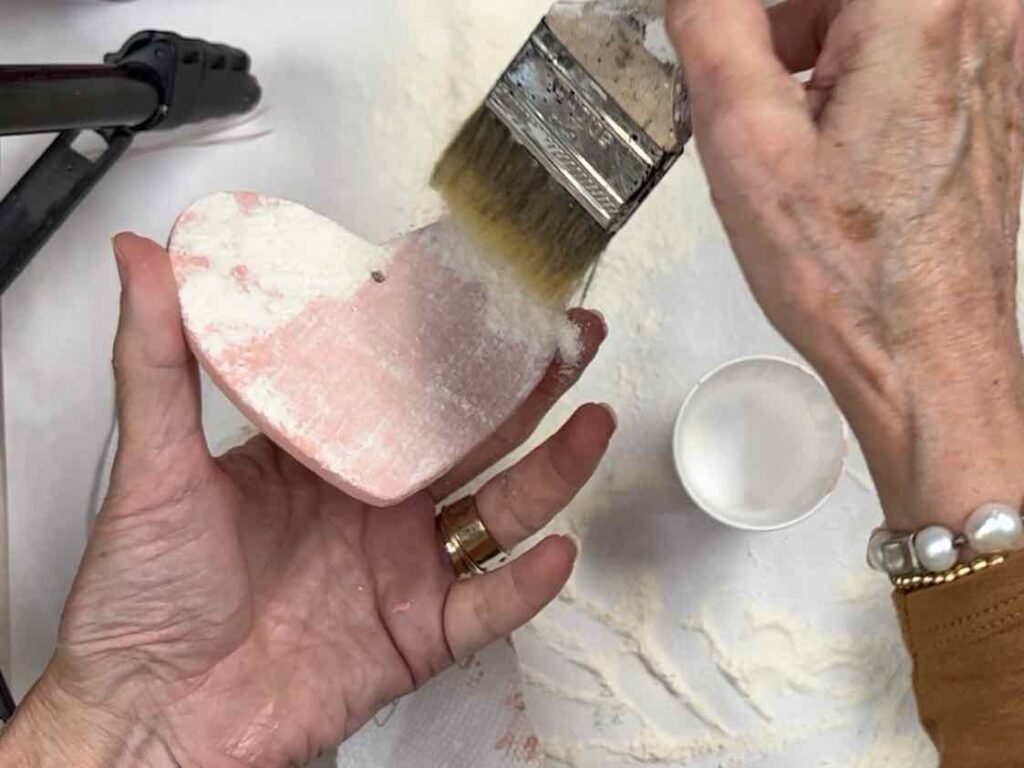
(157, 81)
(48, 99)
(197, 80)
(47, 195)
(7, 704)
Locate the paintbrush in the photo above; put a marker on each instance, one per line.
(575, 134)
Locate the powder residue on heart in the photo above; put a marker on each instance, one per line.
(511, 309)
(257, 272)
(377, 367)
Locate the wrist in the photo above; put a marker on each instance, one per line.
(962, 457)
(54, 728)
(946, 437)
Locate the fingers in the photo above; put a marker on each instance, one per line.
(744, 101)
(485, 609)
(514, 506)
(157, 379)
(558, 380)
(523, 500)
(727, 52)
(799, 29)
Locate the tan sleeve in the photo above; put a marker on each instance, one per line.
(967, 643)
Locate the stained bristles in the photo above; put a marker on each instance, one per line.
(509, 202)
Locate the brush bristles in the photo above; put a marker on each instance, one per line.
(512, 206)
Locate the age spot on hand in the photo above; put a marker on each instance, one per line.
(857, 222)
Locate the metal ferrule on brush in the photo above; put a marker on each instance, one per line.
(577, 131)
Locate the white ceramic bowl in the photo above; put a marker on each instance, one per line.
(760, 444)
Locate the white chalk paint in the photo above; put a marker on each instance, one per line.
(377, 366)
(289, 253)
(512, 311)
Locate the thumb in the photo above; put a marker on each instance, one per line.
(742, 95)
(158, 401)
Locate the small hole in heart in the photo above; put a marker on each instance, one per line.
(378, 276)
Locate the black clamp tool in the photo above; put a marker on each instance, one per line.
(157, 81)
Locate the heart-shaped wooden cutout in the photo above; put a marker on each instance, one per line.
(378, 367)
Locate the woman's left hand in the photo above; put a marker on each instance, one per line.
(242, 612)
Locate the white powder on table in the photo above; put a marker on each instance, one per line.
(775, 655)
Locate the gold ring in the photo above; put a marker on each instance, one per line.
(467, 541)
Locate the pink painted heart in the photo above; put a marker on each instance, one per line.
(378, 367)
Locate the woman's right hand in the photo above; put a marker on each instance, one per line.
(875, 214)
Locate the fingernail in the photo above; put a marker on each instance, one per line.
(611, 412)
(576, 541)
(119, 256)
(601, 319)
(573, 542)
(118, 237)
(582, 317)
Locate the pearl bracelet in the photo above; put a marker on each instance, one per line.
(991, 529)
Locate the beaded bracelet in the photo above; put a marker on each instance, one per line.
(913, 583)
(933, 555)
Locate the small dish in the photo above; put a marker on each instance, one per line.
(760, 444)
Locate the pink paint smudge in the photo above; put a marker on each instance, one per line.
(189, 217)
(241, 274)
(187, 263)
(530, 748)
(527, 751)
(248, 201)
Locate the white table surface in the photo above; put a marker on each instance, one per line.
(668, 621)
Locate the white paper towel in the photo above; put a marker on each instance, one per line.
(472, 715)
